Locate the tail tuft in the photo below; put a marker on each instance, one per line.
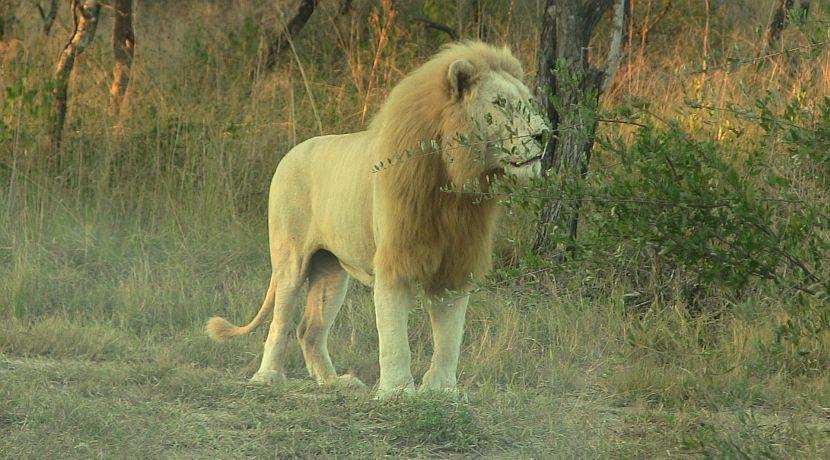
(219, 329)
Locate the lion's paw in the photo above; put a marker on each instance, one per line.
(348, 381)
(384, 394)
(269, 378)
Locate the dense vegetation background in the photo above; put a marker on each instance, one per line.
(689, 317)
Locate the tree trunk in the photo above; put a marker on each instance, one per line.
(123, 44)
(567, 26)
(85, 15)
(279, 43)
(546, 80)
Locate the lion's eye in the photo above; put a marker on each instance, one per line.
(500, 102)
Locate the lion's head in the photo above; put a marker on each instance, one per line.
(470, 100)
(505, 133)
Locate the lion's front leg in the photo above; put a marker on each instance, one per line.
(392, 306)
(447, 318)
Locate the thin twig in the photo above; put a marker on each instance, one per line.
(738, 62)
(611, 199)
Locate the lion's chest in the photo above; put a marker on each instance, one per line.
(446, 251)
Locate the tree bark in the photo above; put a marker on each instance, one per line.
(85, 15)
(567, 26)
(278, 43)
(123, 44)
(48, 17)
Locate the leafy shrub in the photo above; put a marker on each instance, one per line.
(699, 216)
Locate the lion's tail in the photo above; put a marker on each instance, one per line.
(220, 329)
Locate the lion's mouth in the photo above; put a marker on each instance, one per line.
(519, 164)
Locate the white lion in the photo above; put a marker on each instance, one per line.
(404, 226)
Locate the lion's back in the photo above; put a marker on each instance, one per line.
(325, 165)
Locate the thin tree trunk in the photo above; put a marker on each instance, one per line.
(482, 32)
(803, 11)
(7, 18)
(123, 44)
(546, 82)
(618, 26)
(777, 24)
(279, 43)
(345, 7)
(48, 17)
(566, 32)
(706, 27)
(85, 15)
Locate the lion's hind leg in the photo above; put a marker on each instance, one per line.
(271, 370)
(327, 285)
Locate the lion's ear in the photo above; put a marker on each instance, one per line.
(461, 76)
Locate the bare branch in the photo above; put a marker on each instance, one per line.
(288, 32)
(303, 75)
(48, 17)
(437, 26)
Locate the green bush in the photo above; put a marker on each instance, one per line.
(698, 214)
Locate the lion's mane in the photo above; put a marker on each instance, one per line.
(438, 238)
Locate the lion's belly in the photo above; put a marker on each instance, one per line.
(346, 233)
(359, 274)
